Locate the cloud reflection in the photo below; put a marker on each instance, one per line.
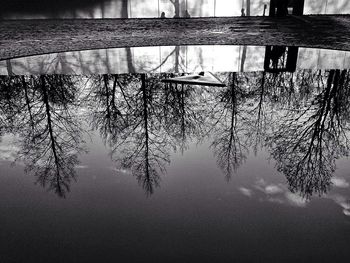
(8, 150)
(280, 194)
(301, 120)
(339, 182)
(245, 191)
(295, 199)
(342, 201)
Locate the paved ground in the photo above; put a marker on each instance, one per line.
(34, 37)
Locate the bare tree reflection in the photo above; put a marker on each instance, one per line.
(230, 143)
(50, 137)
(185, 113)
(134, 128)
(302, 118)
(10, 105)
(142, 119)
(309, 140)
(259, 108)
(110, 113)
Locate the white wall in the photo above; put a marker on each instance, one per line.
(327, 7)
(197, 8)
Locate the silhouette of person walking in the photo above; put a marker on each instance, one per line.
(162, 15)
(242, 12)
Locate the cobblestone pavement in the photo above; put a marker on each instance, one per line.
(33, 37)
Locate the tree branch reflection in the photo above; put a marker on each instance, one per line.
(229, 140)
(49, 134)
(301, 118)
(133, 129)
(310, 138)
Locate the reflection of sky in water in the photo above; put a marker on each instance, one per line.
(197, 206)
(153, 8)
(194, 207)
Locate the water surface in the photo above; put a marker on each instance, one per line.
(176, 59)
(129, 167)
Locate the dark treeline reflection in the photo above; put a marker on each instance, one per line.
(313, 132)
(301, 119)
(40, 112)
(143, 120)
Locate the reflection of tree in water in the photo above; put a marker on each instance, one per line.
(230, 143)
(308, 140)
(185, 111)
(137, 139)
(258, 109)
(111, 106)
(142, 120)
(302, 117)
(49, 133)
(148, 149)
(10, 106)
(179, 61)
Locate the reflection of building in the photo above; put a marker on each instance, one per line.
(186, 59)
(281, 59)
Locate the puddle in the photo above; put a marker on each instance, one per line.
(211, 153)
